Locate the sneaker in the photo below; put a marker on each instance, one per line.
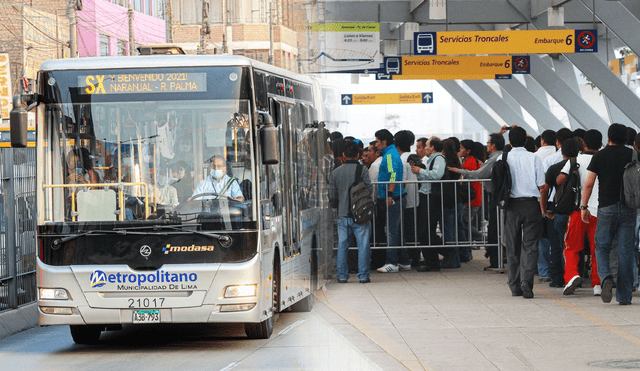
(404, 267)
(607, 287)
(572, 285)
(597, 290)
(388, 268)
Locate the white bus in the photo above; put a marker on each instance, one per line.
(132, 243)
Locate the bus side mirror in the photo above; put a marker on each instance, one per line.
(268, 139)
(18, 123)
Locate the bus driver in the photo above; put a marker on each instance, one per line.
(218, 183)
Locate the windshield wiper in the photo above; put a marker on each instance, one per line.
(223, 239)
(59, 241)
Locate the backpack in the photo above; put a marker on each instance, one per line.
(361, 205)
(501, 182)
(631, 183)
(567, 197)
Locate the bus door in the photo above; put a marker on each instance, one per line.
(287, 171)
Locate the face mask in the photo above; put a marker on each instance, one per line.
(216, 174)
(79, 168)
(162, 181)
(182, 173)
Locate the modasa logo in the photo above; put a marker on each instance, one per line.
(98, 279)
(191, 248)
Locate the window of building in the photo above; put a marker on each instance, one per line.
(104, 45)
(137, 5)
(261, 55)
(122, 47)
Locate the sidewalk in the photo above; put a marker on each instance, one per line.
(466, 319)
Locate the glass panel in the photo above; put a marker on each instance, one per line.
(181, 160)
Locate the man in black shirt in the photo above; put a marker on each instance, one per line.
(614, 217)
(570, 148)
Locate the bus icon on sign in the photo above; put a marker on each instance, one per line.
(392, 66)
(424, 43)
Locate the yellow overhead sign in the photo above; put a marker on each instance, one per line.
(399, 98)
(509, 42)
(451, 68)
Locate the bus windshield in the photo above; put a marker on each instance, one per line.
(186, 161)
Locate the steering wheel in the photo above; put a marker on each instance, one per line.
(193, 198)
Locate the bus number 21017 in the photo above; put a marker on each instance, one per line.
(145, 302)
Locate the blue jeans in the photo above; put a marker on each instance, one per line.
(362, 232)
(395, 236)
(452, 218)
(617, 220)
(544, 257)
(557, 228)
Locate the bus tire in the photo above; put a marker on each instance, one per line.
(85, 334)
(304, 305)
(264, 329)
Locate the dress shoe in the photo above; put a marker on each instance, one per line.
(527, 291)
(607, 287)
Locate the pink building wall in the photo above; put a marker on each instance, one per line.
(102, 17)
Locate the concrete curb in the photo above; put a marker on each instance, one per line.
(14, 321)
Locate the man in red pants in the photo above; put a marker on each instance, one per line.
(576, 228)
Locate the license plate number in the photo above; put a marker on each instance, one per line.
(146, 316)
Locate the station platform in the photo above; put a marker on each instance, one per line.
(466, 319)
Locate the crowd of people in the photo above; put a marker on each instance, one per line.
(539, 239)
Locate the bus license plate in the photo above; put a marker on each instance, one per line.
(146, 316)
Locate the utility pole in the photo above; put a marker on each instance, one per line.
(204, 29)
(132, 41)
(224, 26)
(73, 30)
(270, 32)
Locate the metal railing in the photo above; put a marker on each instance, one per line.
(17, 227)
(446, 221)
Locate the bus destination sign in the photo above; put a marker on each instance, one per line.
(134, 83)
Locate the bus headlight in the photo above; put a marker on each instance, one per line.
(240, 291)
(54, 294)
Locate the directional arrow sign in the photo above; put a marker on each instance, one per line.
(464, 68)
(347, 99)
(400, 98)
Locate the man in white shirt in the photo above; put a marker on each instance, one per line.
(218, 183)
(523, 216)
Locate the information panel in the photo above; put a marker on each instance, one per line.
(134, 83)
(391, 98)
(505, 42)
(464, 68)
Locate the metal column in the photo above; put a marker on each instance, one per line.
(470, 105)
(565, 96)
(491, 98)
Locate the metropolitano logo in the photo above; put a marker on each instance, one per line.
(98, 279)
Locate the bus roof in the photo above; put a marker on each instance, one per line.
(155, 61)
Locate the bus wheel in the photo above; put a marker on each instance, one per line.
(304, 305)
(264, 329)
(85, 334)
